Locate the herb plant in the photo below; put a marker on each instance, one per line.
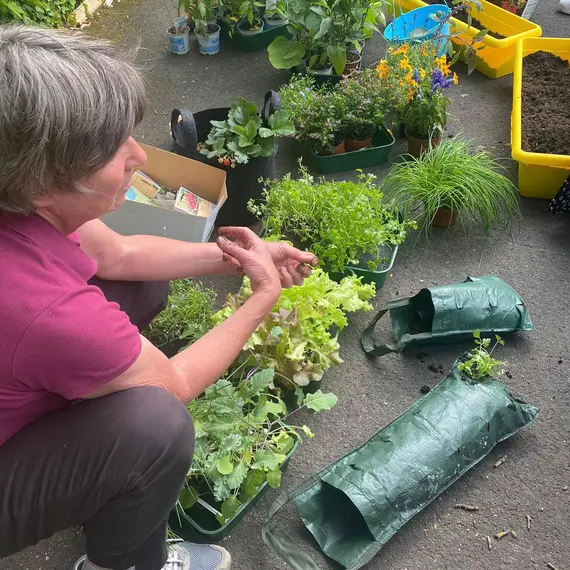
(244, 135)
(480, 363)
(452, 176)
(341, 222)
(316, 113)
(190, 307)
(243, 436)
(295, 338)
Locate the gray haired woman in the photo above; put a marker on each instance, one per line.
(93, 427)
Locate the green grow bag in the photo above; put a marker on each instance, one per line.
(198, 524)
(448, 313)
(368, 276)
(356, 504)
(377, 154)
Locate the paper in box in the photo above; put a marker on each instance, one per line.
(173, 171)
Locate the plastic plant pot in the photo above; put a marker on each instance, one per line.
(327, 71)
(179, 43)
(377, 277)
(200, 525)
(209, 44)
(272, 23)
(244, 31)
(257, 42)
(417, 146)
(377, 154)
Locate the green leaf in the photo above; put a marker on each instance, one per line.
(230, 507)
(252, 482)
(320, 401)
(280, 124)
(318, 10)
(455, 57)
(261, 380)
(264, 132)
(337, 55)
(263, 410)
(266, 460)
(307, 432)
(274, 478)
(224, 465)
(188, 497)
(480, 35)
(477, 333)
(237, 476)
(285, 53)
(324, 28)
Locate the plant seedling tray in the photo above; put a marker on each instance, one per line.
(377, 154)
(256, 42)
(369, 276)
(197, 524)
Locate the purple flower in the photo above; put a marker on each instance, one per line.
(416, 76)
(438, 80)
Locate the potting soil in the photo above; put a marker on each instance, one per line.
(545, 105)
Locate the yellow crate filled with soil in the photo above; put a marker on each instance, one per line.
(497, 57)
(540, 121)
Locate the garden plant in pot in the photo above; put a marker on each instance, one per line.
(251, 21)
(415, 80)
(205, 15)
(316, 114)
(450, 182)
(240, 141)
(347, 225)
(273, 17)
(324, 34)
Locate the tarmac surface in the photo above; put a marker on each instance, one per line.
(535, 478)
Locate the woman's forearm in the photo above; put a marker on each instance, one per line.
(202, 363)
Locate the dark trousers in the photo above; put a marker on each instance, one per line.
(114, 464)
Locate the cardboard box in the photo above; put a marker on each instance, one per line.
(173, 171)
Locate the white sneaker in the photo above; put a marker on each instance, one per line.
(564, 6)
(189, 556)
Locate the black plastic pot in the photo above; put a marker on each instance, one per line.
(188, 129)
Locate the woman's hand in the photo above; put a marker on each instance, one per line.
(251, 256)
(293, 264)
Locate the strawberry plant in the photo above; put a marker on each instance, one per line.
(296, 338)
(243, 436)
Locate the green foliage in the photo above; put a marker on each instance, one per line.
(480, 363)
(242, 439)
(203, 12)
(341, 222)
(53, 13)
(452, 176)
(190, 307)
(243, 135)
(295, 338)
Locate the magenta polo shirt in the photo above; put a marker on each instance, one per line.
(60, 339)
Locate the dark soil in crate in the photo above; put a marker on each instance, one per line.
(545, 105)
(462, 16)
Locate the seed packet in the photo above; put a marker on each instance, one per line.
(188, 202)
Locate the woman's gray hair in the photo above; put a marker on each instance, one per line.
(67, 103)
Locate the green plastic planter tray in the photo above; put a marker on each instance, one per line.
(325, 79)
(199, 525)
(257, 42)
(368, 276)
(376, 155)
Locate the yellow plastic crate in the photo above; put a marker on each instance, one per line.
(497, 58)
(540, 175)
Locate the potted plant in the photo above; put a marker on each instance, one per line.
(296, 338)
(179, 36)
(347, 225)
(187, 315)
(244, 437)
(415, 80)
(451, 180)
(238, 140)
(251, 22)
(273, 16)
(364, 107)
(207, 30)
(316, 115)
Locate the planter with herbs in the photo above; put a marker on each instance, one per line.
(326, 38)
(342, 127)
(347, 225)
(540, 128)
(205, 14)
(491, 31)
(240, 141)
(451, 182)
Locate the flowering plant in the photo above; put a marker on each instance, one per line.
(415, 81)
(317, 113)
(364, 104)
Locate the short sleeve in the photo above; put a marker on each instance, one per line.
(75, 346)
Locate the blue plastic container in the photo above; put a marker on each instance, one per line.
(418, 25)
(209, 44)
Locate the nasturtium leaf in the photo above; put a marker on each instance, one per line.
(224, 465)
(188, 497)
(274, 478)
(230, 507)
(320, 401)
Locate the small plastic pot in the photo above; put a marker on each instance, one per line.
(246, 32)
(353, 65)
(271, 23)
(179, 43)
(444, 218)
(352, 145)
(339, 149)
(417, 146)
(209, 44)
(309, 71)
